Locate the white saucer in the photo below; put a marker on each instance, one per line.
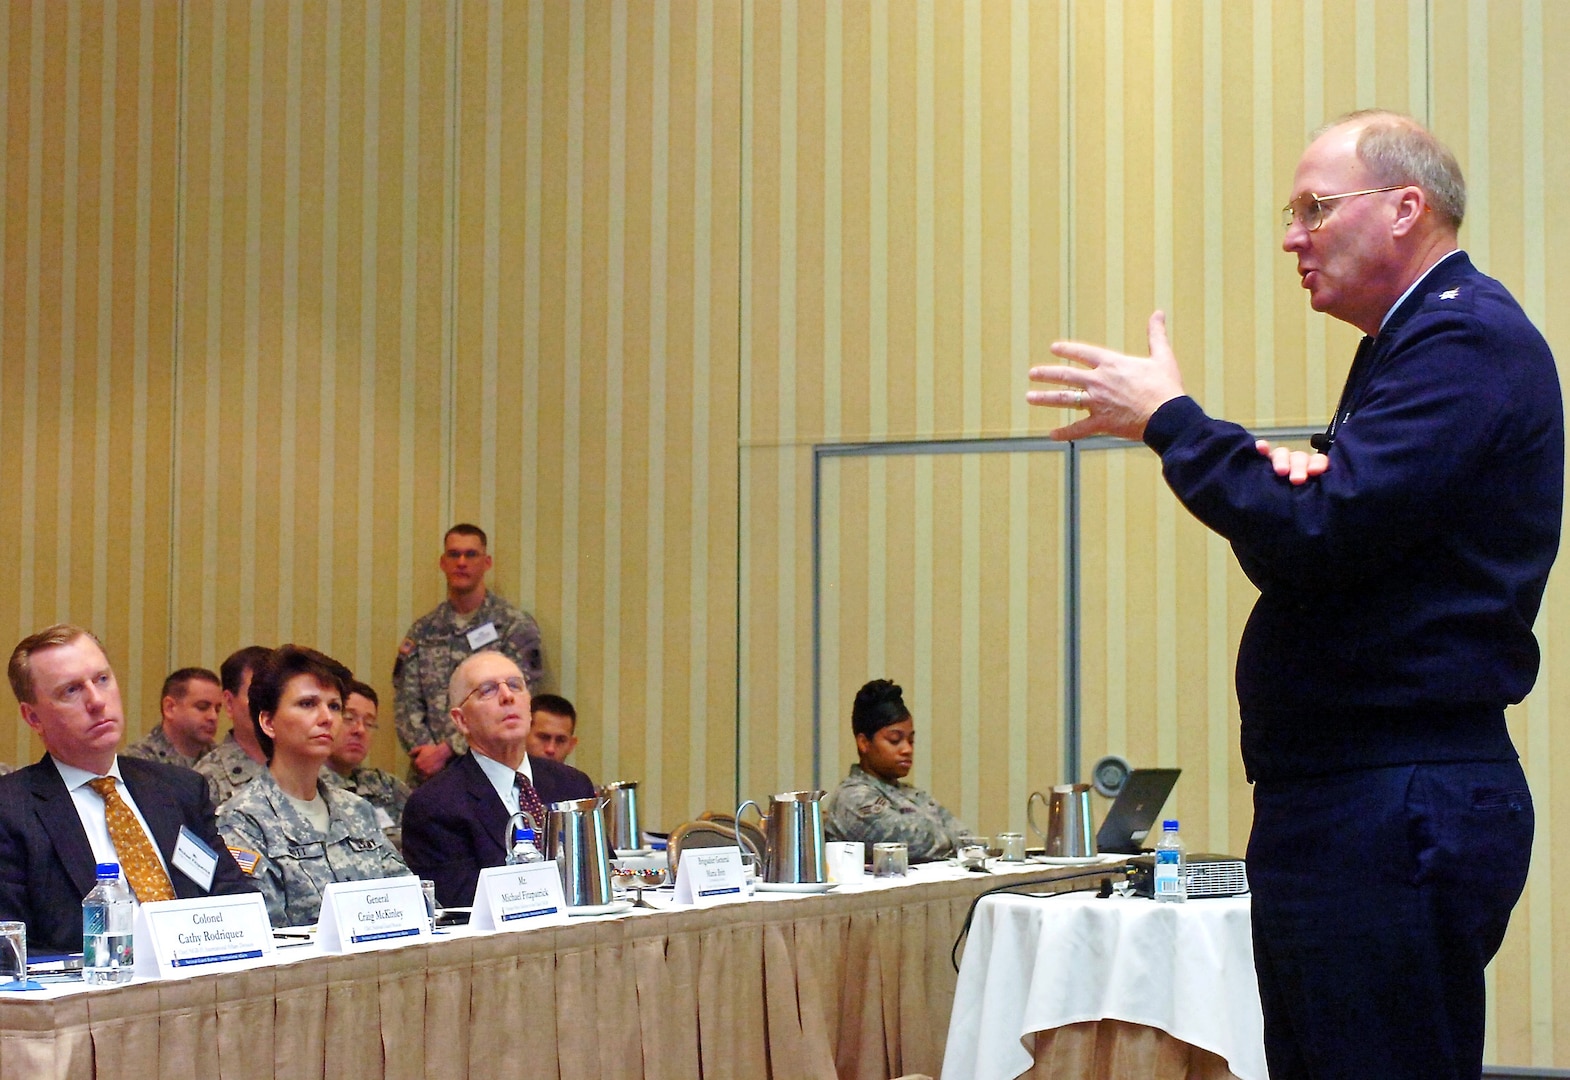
(1070, 860)
(634, 853)
(615, 907)
(796, 887)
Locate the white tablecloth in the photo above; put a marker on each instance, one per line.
(1034, 964)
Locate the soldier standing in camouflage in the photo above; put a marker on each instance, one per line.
(871, 804)
(469, 620)
(189, 705)
(351, 743)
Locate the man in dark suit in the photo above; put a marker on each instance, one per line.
(455, 824)
(56, 823)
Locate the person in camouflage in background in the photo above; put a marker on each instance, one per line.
(237, 760)
(469, 620)
(351, 743)
(189, 704)
(871, 804)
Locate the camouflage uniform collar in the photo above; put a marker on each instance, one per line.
(898, 786)
(292, 824)
(491, 608)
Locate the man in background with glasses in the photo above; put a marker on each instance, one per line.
(1400, 567)
(455, 825)
(351, 743)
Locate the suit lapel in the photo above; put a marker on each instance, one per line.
(490, 813)
(57, 813)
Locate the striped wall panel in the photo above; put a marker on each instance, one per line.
(594, 381)
(88, 174)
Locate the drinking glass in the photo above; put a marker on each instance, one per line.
(749, 870)
(971, 851)
(890, 860)
(13, 951)
(432, 909)
(1013, 846)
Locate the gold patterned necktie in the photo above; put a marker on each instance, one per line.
(138, 861)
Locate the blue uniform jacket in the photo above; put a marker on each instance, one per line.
(1398, 590)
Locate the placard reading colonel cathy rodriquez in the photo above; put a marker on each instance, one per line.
(176, 938)
(359, 915)
(519, 897)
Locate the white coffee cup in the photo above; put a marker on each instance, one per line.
(847, 860)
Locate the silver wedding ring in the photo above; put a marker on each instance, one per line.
(1079, 399)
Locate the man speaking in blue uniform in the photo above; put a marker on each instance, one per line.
(1400, 567)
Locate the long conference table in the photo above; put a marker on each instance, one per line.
(852, 983)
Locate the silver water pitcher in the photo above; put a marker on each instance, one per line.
(793, 832)
(1068, 834)
(622, 809)
(575, 838)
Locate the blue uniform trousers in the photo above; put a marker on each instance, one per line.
(1379, 895)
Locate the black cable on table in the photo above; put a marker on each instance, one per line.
(1107, 871)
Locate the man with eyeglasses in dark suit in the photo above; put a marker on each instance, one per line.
(455, 824)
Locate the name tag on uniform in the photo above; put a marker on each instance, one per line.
(195, 859)
(709, 876)
(482, 636)
(359, 915)
(176, 938)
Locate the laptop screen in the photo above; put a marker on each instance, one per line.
(1135, 809)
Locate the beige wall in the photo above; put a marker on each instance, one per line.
(288, 287)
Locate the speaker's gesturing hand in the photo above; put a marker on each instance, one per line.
(1118, 392)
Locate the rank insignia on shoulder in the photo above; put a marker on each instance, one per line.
(247, 859)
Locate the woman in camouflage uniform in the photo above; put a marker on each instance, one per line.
(295, 834)
(874, 804)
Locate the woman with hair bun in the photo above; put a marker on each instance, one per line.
(873, 804)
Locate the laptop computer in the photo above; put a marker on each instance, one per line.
(1134, 811)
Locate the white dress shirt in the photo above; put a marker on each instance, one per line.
(503, 779)
(90, 808)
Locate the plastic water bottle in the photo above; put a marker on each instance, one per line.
(523, 850)
(1171, 861)
(108, 914)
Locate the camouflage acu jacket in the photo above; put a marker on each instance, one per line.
(157, 747)
(380, 788)
(435, 646)
(228, 768)
(290, 861)
(874, 811)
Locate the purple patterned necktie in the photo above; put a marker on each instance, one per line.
(530, 803)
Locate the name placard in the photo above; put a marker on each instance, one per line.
(518, 897)
(710, 876)
(372, 914)
(178, 938)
